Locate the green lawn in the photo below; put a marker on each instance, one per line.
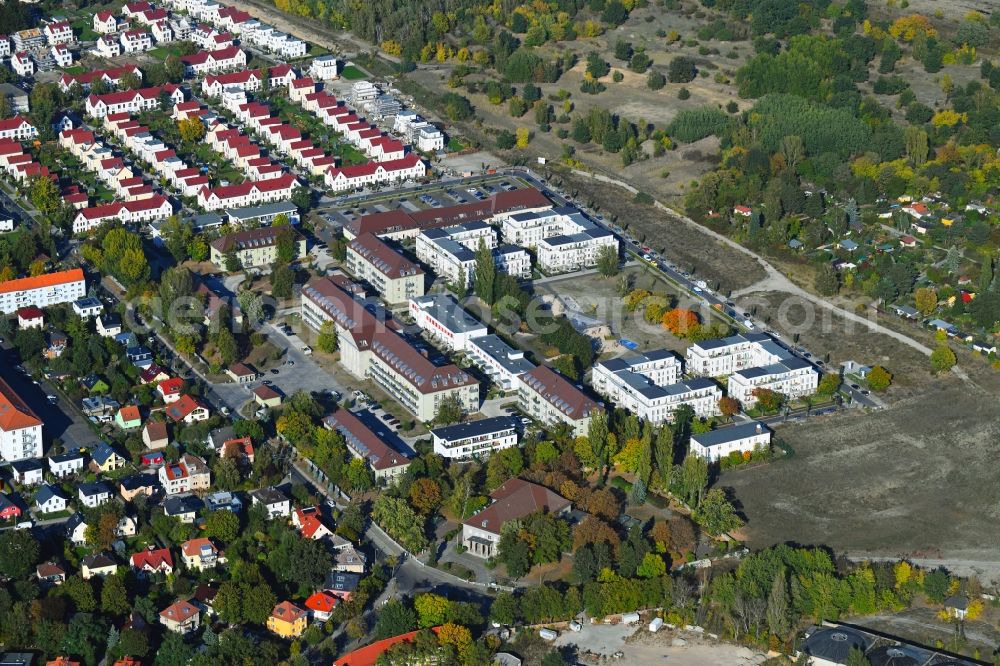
(75, 69)
(352, 73)
(454, 145)
(351, 155)
(83, 28)
(161, 52)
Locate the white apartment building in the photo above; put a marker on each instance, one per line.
(23, 64)
(369, 349)
(792, 376)
(418, 132)
(58, 32)
(441, 316)
(475, 439)
(550, 398)
(647, 385)
(451, 252)
(42, 290)
(563, 238)
(396, 278)
(136, 41)
(62, 55)
(717, 444)
(131, 101)
(720, 357)
(212, 62)
(503, 364)
(20, 428)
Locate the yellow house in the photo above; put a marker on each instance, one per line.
(947, 221)
(287, 620)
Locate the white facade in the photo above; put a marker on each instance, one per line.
(94, 494)
(23, 64)
(42, 291)
(65, 465)
(503, 364)
(475, 439)
(20, 429)
(791, 377)
(564, 239)
(443, 319)
(724, 356)
(740, 438)
(324, 68)
(451, 252)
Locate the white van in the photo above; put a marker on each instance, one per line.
(548, 634)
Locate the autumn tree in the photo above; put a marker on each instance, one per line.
(425, 495)
(191, 129)
(942, 359)
(926, 300)
(879, 378)
(768, 400)
(327, 341)
(680, 321)
(729, 406)
(523, 137)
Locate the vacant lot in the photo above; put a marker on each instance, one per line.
(597, 296)
(823, 332)
(914, 480)
(684, 244)
(921, 625)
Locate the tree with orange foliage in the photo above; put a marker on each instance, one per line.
(661, 536)
(425, 495)
(593, 530)
(907, 28)
(729, 407)
(680, 321)
(604, 503)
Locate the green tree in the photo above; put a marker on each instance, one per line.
(597, 436)
(827, 280)
(173, 651)
(282, 281)
(856, 657)
(114, 597)
(327, 339)
(777, 607)
(223, 525)
(227, 346)
(286, 246)
(693, 479)
(19, 553)
(400, 521)
(607, 261)
(302, 198)
(716, 513)
(681, 69)
(394, 618)
(432, 609)
(449, 411)
(484, 278)
(174, 68)
(503, 610)
(942, 359)
(655, 80)
(596, 65)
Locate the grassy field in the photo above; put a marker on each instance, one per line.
(454, 145)
(161, 52)
(352, 73)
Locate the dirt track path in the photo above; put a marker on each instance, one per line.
(775, 280)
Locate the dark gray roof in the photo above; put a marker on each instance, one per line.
(95, 488)
(732, 433)
(174, 506)
(834, 644)
(475, 428)
(47, 492)
(342, 582)
(25, 466)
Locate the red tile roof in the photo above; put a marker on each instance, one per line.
(179, 611)
(516, 499)
(368, 655)
(42, 281)
(30, 312)
(153, 559)
(14, 412)
(130, 413)
(287, 611)
(321, 602)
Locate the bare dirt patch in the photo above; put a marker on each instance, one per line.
(683, 244)
(915, 480)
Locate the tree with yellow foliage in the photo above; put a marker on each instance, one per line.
(191, 129)
(523, 137)
(908, 27)
(948, 118)
(392, 47)
(7, 274)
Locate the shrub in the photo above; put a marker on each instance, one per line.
(683, 94)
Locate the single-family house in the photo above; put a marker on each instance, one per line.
(94, 494)
(155, 435)
(27, 472)
(242, 373)
(200, 554)
(30, 317)
(187, 409)
(105, 459)
(184, 507)
(276, 504)
(309, 521)
(287, 620)
(8, 509)
(153, 560)
(137, 484)
(98, 564)
(50, 499)
(265, 396)
(76, 529)
(109, 325)
(170, 390)
(181, 617)
(66, 464)
(50, 573)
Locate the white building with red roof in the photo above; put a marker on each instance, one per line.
(309, 522)
(248, 80)
(62, 55)
(132, 10)
(131, 101)
(108, 46)
(142, 210)
(248, 193)
(136, 41)
(153, 560)
(111, 77)
(212, 62)
(22, 64)
(17, 128)
(20, 428)
(187, 409)
(105, 23)
(58, 32)
(341, 179)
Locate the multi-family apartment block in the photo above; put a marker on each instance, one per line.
(451, 252)
(42, 290)
(444, 320)
(396, 278)
(475, 439)
(368, 348)
(20, 428)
